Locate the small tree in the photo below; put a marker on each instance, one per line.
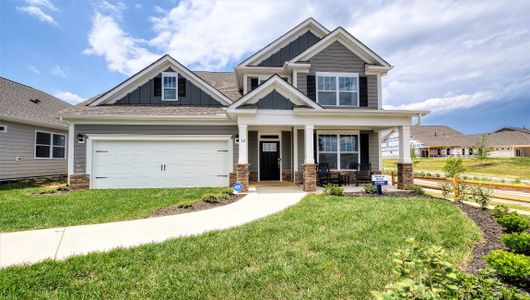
(412, 151)
(454, 166)
(480, 150)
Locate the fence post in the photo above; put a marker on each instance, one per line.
(456, 188)
(393, 178)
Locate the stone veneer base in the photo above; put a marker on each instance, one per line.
(405, 176)
(310, 177)
(242, 176)
(79, 182)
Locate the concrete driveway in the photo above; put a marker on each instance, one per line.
(59, 243)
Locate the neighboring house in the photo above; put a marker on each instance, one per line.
(33, 141)
(312, 95)
(443, 141)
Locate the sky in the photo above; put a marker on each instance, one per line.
(468, 62)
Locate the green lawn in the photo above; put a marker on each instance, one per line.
(323, 247)
(21, 210)
(493, 167)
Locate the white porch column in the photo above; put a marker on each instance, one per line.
(243, 149)
(308, 143)
(404, 144)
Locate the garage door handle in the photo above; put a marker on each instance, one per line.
(222, 175)
(222, 150)
(101, 151)
(97, 177)
(164, 167)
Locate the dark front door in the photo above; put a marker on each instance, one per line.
(269, 164)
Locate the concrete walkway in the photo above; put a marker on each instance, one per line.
(59, 243)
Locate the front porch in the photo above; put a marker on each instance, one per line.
(290, 154)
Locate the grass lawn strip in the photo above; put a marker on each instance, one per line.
(22, 209)
(323, 247)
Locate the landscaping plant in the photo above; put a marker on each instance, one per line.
(211, 198)
(480, 150)
(514, 268)
(517, 242)
(480, 195)
(369, 188)
(331, 189)
(453, 166)
(513, 222)
(500, 210)
(425, 273)
(418, 190)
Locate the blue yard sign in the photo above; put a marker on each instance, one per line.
(237, 187)
(379, 181)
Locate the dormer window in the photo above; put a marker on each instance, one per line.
(169, 86)
(337, 89)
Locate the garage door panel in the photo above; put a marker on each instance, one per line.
(136, 164)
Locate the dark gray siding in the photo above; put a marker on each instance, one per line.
(145, 95)
(18, 141)
(337, 58)
(274, 100)
(301, 150)
(286, 151)
(253, 151)
(294, 48)
(373, 152)
(80, 149)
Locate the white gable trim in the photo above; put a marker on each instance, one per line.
(350, 42)
(151, 71)
(309, 24)
(282, 87)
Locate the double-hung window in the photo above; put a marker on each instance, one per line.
(339, 151)
(337, 89)
(50, 145)
(169, 86)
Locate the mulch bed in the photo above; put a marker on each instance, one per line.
(385, 194)
(491, 231)
(201, 205)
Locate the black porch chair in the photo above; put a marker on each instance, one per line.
(324, 175)
(364, 173)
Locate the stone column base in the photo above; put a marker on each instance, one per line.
(79, 182)
(242, 176)
(310, 177)
(405, 176)
(299, 177)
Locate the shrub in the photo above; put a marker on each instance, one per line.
(517, 242)
(512, 267)
(228, 191)
(517, 181)
(500, 210)
(514, 222)
(184, 205)
(454, 166)
(211, 198)
(418, 190)
(480, 195)
(424, 273)
(223, 196)
(331, 189)
(447, 189)
(437, 175)
(369, 188)
(428, 174)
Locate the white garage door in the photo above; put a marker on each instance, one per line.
(150, 164)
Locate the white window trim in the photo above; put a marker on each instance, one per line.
(337, 75)
(338, 134)
(5, 128)
(50, 145)
(170, 74)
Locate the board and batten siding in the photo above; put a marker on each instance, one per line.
(19, 141)
(337, 58)
(80, 148)
(253, 148)
(144, 95)
(291, 50)
(286, 151)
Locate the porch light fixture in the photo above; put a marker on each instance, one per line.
(236, 139)
(80, 138)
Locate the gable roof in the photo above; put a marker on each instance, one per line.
(16, 105)
(349, 41)
(277, 83)
(224, 82)
(151, 71)
(309, 24)
(433, 130)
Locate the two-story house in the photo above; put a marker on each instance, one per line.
(311, 96)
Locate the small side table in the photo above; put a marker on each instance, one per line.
(344, 179)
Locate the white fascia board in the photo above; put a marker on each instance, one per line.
(148, 73)
(376, 70)
(153, 122)
(135, 137)
(350, 42)
(284, 88)
(361, 112)
(248, 71)
(34, 123)
(309, 24)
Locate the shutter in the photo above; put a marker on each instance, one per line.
(311, 87)
(365, 147)
(253, 83)
(363, 92)
(182, 86)
(157, 88)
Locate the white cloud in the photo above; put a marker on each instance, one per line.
(114, 9)
(33, 69)
(38, 13)
(59, 71)
(68, 97)
(448, 54)
(42, 3)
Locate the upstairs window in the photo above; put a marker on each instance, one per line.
(338, 89)
(169, 86)
(50, 145)
(3, 128)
